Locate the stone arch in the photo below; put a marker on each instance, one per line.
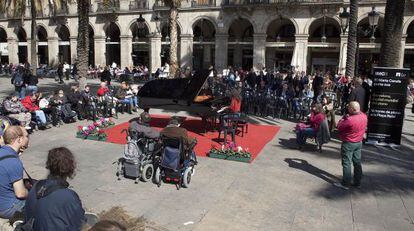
(132, 22)
(233, 18)
(206, 23)
(204, 17)
(42, 33)
(21, 34)
(46, 28)
(63, 32)
(407, 23)
(311, 21)
(107, 25)
(285, 29)
(270, 19)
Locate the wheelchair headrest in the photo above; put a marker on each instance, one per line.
(172, 142)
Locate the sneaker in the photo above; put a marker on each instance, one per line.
(28, 127)
(340, 185)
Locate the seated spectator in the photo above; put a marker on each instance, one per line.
(311, 128)
(75, 100)
(141, 125)
(124, 95)
(31, 104)
(12, 190)
(103, 89)
(51, 204)
(60, 101)
(14, 109)
(87, 105)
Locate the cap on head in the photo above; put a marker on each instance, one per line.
(145, 117)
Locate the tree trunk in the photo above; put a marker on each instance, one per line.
(83, 41)
(33, 35)
(393, 26)
(352, 39)
(174, 41)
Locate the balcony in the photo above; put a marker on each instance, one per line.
(287, 2)
(203, 3)
(160, 5)
(138, 5)
(107, 7)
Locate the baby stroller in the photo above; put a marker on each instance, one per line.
(137, 162)
(175, 165)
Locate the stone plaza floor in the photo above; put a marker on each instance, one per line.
(283, 189)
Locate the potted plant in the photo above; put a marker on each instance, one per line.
(91, 132)
(230, 151)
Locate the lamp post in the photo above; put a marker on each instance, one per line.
(157, 20)
(344, 19)
(373, 18)
(323, 37)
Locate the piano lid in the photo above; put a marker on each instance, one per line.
(177, 89)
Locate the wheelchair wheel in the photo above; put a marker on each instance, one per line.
(157, 178)
(147, 172)
(187, 177)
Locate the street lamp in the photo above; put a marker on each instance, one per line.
(157, 20)
(344, 18)
(373, 18)
(140, 22)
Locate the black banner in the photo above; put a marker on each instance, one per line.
(387, 107)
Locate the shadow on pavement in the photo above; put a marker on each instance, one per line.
(306, 167)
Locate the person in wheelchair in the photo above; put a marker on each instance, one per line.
(311, 128)
(140, 125)
(173, 130)
(87, 105)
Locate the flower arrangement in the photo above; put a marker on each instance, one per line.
(91, 132)
(104, 123)
(230, 151)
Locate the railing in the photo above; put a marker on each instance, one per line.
(138, 5)
(203, 3)
(256, 2)
(108, 7)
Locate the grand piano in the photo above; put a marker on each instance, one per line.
(187, 94)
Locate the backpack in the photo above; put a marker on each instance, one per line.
(18, 80)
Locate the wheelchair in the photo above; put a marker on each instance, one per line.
(137, 161)
(174, 165)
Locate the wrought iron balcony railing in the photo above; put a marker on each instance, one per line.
(138, 5)
(203, 3)
(257, 2)
(108, 7)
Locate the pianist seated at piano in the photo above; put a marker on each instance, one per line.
(235, 104)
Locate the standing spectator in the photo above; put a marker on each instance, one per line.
(51, 204)
(18, 82)
(317, 85)
(66, 69)
(60, 73)
(14, 109)
(351, 130)
(106, 76)
(33, 80)
(12, 190)
(359, 94)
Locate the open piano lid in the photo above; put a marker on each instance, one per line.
(186, 89)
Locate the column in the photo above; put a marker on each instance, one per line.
(126, 50)
(221, 51)
(259, 50)
(13, 48)
(100, 50)
(402, 53)
(300, 53)
(342, 53)
(29, 53)
(186, 50)
(53, 51)
(155, 52)
(73, 48)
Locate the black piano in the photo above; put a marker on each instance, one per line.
(181, 95)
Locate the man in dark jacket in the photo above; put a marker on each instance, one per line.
(75, 100)
(359, 94)
(106, 76)
(141, 125)
(317, 85)
(173, 130)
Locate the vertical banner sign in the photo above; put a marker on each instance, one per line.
(388, 100)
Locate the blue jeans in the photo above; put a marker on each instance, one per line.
(21, 91)
(126, 101)
(18, 206)
(302, 134)
(135, 101)
(41, 116)
(32, 89)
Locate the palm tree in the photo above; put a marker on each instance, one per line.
(393, 25)
(352, 39)
(174, 5)
(83, 41)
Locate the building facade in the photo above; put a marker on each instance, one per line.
(277, 34)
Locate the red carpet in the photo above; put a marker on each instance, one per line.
(256, 138)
